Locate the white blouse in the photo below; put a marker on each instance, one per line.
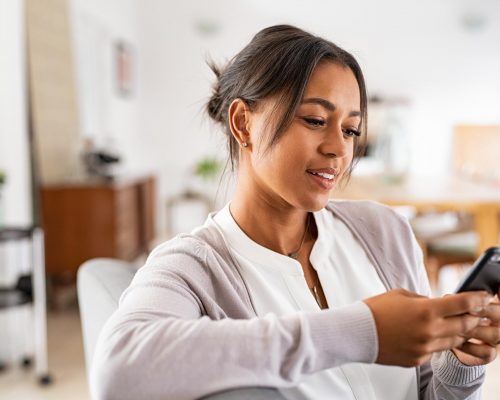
(277, 285)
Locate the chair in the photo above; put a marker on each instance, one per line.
(100, 282)
(445, 238)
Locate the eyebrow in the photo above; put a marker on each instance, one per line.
(328, 105)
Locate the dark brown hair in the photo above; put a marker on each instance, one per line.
(278, 61)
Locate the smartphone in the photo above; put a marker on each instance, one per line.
(484, 274)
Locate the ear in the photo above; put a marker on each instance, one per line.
(239, 121)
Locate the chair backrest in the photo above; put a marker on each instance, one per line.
(100, 283)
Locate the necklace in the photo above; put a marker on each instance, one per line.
(295, 254)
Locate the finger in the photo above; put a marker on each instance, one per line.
(461, 303)
(485, 352)
(492, 312)
(457, 325)
(487, 334)
(447, 343)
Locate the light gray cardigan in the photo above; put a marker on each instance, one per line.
(186, 326)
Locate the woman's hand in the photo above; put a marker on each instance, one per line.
(481, 348)
(411, 327)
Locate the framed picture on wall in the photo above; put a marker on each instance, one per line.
(123, 60)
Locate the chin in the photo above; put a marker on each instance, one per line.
(314, 204)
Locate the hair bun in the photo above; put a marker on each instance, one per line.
(214, 105)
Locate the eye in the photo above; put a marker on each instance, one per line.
(352, 132)
(315, 122)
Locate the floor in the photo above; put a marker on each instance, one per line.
(66, 362)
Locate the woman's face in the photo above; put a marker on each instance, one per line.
(301, 169)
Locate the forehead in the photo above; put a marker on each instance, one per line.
(335, 83)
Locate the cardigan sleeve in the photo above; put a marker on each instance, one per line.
(161, 344)
(444, 377)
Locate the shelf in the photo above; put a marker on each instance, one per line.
(11, 297)
(14, 233)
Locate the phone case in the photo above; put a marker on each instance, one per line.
(484, 274)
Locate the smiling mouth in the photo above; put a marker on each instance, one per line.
(325, 180)
(323, 175)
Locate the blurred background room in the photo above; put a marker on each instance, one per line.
(105, 150)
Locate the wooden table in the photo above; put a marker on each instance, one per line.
(434, 193)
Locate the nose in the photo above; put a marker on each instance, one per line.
(334, 143)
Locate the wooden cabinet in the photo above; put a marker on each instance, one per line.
(88, 220)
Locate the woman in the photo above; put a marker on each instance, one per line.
(283, 288)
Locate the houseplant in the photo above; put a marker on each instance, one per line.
(207, 168)
(206, 172)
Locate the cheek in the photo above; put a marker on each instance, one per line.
(279, 166)
(348, 159)
(349, 153)
(271, 165)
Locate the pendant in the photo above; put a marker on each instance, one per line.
(294, 255)
(316, 296)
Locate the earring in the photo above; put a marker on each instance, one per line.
(244, 144)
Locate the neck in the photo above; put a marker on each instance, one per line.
(283, 227)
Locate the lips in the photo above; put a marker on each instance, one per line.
(323, 174)
(324, 177)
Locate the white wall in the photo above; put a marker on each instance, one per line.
(105, 115)
(175, 82)
(14, 156)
